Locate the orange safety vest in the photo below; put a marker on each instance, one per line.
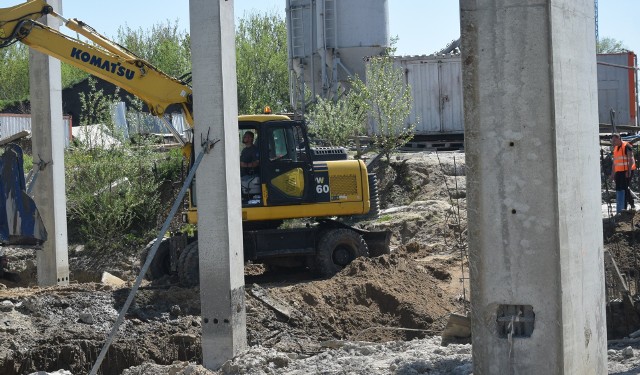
(620, 159)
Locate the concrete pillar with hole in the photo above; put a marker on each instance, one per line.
(47, 127)
(533, 182)
(218, 181)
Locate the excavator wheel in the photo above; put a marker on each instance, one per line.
(188, 265)
(336, 249)
(161, 264)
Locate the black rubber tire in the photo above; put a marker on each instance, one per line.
(374, 196)
(161, 264)
(336, 249)
(189, 265)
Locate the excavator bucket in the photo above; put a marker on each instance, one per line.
(20, 221)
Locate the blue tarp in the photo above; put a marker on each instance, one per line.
(20, 221)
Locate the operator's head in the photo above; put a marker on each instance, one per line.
(247, 138)
(616, 140)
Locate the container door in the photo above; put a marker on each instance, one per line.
(450, 101)
(423, 79)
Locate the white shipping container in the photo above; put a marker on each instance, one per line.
(436, 87)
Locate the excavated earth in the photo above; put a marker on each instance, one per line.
(381, 315)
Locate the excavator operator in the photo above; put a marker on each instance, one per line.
(249, 157)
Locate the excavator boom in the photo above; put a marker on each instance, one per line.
(103, 59)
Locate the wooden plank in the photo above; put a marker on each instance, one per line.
(11, 138)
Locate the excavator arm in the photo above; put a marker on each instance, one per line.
(20, 222)
(103, 58)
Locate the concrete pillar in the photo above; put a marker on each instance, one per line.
(45, 87)
(218, 182)
(533, 183)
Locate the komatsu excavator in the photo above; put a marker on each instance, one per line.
(290, 180)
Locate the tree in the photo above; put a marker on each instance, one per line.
(610, 45)
(164, 46)
(388, 101)
(14, 73)
(261, 63)
(97, 106)
(337, 121)
(72, 75)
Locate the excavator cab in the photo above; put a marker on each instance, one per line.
(284, 165)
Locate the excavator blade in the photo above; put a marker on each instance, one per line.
(20, 221)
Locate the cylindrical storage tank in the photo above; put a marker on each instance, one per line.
(329, 39)
(363, 30)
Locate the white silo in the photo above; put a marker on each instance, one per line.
(328, 41)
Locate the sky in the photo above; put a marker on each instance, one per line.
(422, 26)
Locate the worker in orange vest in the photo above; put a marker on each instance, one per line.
(624, 163)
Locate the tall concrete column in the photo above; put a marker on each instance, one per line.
(45, 87)
(533, 183)
(218, 182)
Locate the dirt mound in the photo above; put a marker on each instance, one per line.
(392, 297)
(419, 177)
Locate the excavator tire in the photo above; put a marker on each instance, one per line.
(336, 249)
(161, 264)
(188, 266)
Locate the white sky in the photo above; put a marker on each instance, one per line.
(423, 26)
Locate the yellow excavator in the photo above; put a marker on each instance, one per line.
(284, 179)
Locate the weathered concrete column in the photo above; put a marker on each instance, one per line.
(45, 87)
(533, 183)
(218, 182)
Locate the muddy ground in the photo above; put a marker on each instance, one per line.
(390, 304)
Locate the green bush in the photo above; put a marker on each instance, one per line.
(170, 166)
(109, 193)
(113, 201)
(27, 162)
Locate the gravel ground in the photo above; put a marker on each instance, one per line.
(417, 357)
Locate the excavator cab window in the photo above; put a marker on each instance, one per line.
(288, 144)
(281, 145)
